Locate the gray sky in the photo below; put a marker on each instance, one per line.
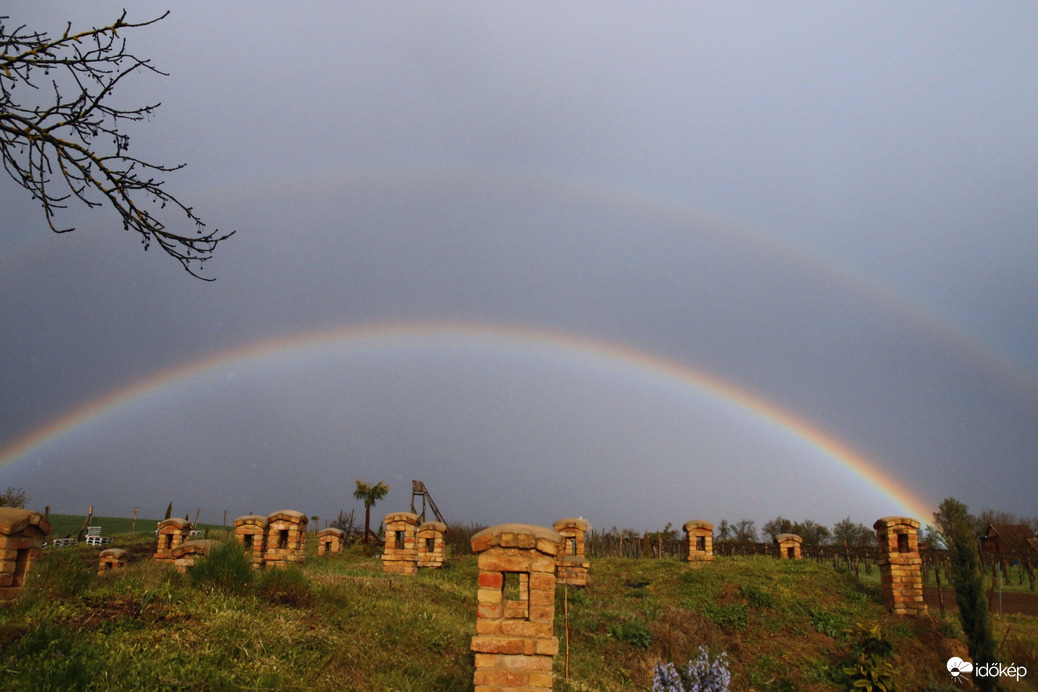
(640, 264)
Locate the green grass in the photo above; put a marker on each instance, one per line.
(339, 623)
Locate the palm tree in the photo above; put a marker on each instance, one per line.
(370, 494)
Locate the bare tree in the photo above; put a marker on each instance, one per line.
(60, 139)
(13, 497)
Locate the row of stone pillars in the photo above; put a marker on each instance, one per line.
(410, 545)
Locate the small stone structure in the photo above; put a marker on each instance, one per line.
(286, 536)
(431, 545)
(573, 565)
(22, 533)
(112, 559)
(330, 540)
(789, 546)
(251, 532)
(514, 642)
(188, 553)
(900, 565)
(172, 532)
(700, 537)
(401, 554)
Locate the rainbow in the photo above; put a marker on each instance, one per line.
(498, 339)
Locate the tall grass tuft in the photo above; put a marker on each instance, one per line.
(227, 569)
(61, 573)
(285, 586)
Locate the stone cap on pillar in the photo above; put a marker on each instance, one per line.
(887, 522)
(578, 523)
(698, 524)
(406, 517)
(332, 531)
(15, 520)
(438, 526)
(290, 515)
(524, 536)
(788, 538)
(175, 523)
(117, 553)
(251, 520)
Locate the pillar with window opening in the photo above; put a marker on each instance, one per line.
(573, 565)
(171, 533)
(286, 538)
(900, 565)
(431, 545)
(330, 540)
(515, 607)
(401, 554)
(700, 537)
(22, 533)
(789, 546)
(251, 533)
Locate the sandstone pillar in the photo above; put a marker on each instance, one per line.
(900, 565)
(22, 533)
(789, 546)
(401, 554)
(430, 544)
(573, 565)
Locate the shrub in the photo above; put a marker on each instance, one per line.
(285, 586)
(634, 633)
(757, 597)
(227, 568)
(703, 674)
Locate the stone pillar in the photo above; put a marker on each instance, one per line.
(172, 532)
(111, 559)
(430, 544)
(700, 537)
(330, 540)
(22, 533)
(514, 642)
(900, 565)
(573, 565)
(251, 532)
(188, 553)
(789, 545)
(401, 554)
(286, 536)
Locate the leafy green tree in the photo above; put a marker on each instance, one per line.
(724, 531)
(777, 526)
(811, 531)
(369, 495)
(61, 134)
(957, 527)
(745, 531)
(847, 533)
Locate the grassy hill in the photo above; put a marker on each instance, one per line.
(339, 623)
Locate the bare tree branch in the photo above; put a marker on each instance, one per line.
(56, 146)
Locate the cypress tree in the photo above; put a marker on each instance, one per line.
(956, 525)
(169, 510)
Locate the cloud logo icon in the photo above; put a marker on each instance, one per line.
(956, 666)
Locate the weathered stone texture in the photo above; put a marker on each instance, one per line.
(789, 546)
(700, 537)
(400, 555)
(330, 540)
(515, 607)
(572, 563)
(431, 545)
(172, 532)
(286, 538)
(22, 533)
(251, 532)
(900, 565)
(112, 559)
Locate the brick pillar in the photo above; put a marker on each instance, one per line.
(572, 563)
(188, 553)
(172, 532)
(430, 545)
(900, 566)
(111, 559)
(286, 538)
(401, 554)
(700, 537)
(789, 545)
(514, 643)
(330, 540)
(22, 533)
(251, 532)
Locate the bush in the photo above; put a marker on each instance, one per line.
(285, 586)
(227, 568)
(701, 675)
(634, 633)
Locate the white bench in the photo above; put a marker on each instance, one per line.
(62, 542)
(94, 536)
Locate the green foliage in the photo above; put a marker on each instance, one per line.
(956, 525)
(827, 622)
(227, 568)
(637, 634)
(867, 669)
(733, 616)
(169, 510)
(285, 586)
(756, 597)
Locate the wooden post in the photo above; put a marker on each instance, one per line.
(133, 526)
(565, 612)
(195, 523)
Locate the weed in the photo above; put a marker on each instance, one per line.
(756, 597)
(285, 586)
(828, 623)
(636, 634)
(227, 569)
(733, 616)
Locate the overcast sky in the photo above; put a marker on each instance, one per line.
(642, 264)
